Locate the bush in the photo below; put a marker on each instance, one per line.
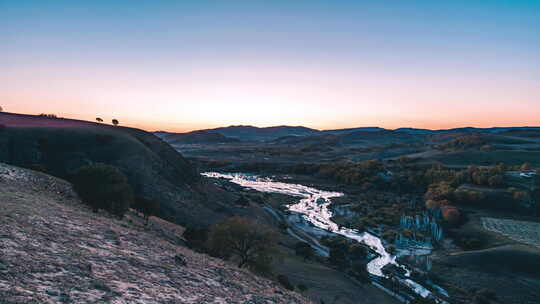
(304, 250)
(284, 281)
(196, 237)
(451, 214)
(440, 191)
(146, 207)
(251, 244)
(103, 187)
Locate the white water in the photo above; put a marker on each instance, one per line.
(314, 207)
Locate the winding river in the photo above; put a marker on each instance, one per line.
(313, 206)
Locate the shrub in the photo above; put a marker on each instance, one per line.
(451, 214)
(304, 250)
(302, 287)
(440, 191)
(146, 207)
(195, 236)
(432, 204)
(252, 244)
(242, 201)
(496, 181)
(525, 167)
(103, 187)
(284, 281)
(48, 115)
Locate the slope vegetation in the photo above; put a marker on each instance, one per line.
(55, 250)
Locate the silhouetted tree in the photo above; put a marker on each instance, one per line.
(1, 109)
(115, 122)
(99, 119)
(103, 187)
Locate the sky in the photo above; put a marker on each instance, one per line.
(185, 65)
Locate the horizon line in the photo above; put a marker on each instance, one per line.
(275, 126)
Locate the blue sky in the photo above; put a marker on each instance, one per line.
(192, 64)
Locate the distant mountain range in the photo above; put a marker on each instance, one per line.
(195, 137)
(288, 133)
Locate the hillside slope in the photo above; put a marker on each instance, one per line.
(156, 171)
(53, 249)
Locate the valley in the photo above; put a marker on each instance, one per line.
(388, 176)
(384, 216)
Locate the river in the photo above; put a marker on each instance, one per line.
(313, 206)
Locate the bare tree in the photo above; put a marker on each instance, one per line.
(249, 242)
(115, 122)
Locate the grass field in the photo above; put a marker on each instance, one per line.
(520, 231)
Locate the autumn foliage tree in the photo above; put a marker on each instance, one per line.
(451, 214)
(525, 167)
(247, 242)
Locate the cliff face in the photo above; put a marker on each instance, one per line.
(53, 249)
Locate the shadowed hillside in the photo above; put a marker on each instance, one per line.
(154, 169)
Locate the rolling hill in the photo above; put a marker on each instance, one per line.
(155, 170)
(195, 137)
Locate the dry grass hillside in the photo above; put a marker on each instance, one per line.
(53, 249)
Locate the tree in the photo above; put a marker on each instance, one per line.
(451, 214)
(358, 251)
(525, 167)
(496, 181)
(1, 109)
(115, 122)
(439, 191)
(103, 187)
(99, 119)
(195, 236)
(338, 255)
(146, 207)
(251, 244)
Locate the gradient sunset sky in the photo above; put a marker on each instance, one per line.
(184, 65)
